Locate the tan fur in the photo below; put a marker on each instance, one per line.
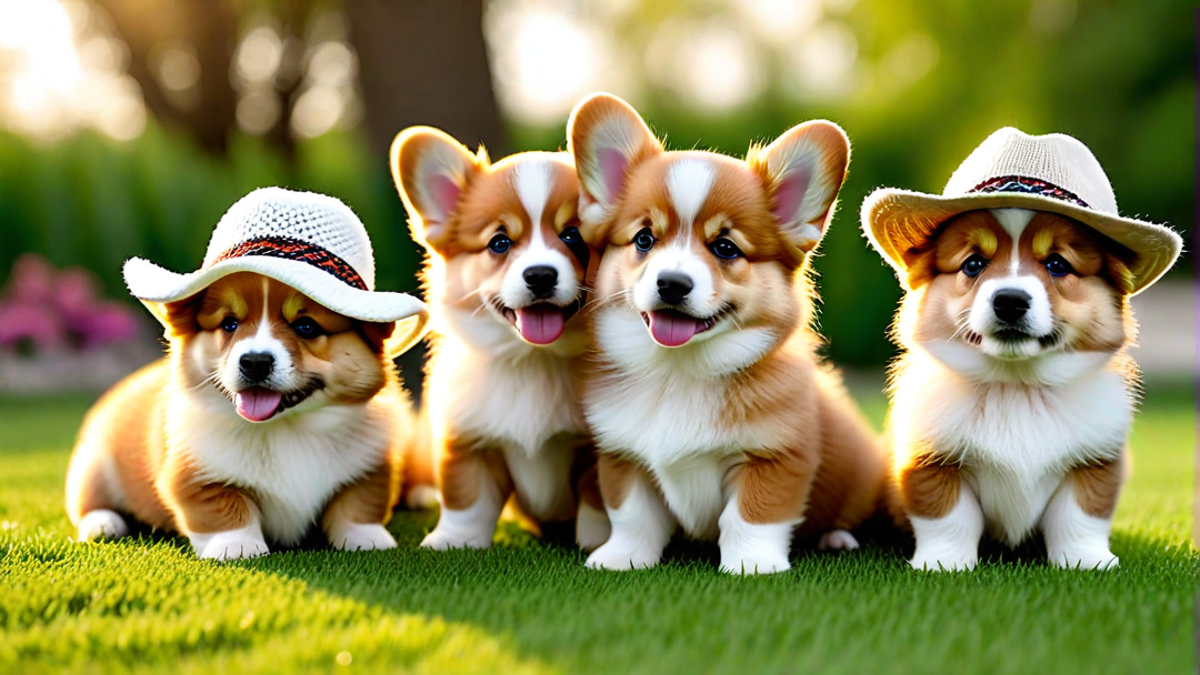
(615, 475)
(161, 482)
(370, 500)
(1097, 486)
(927, 488)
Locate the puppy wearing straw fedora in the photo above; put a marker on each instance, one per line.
(277, 407)
(1014, 393)
(506, 277)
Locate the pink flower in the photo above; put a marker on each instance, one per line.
(51, 309)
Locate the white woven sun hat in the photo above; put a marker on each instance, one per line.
(1012, 169)
(311, 242)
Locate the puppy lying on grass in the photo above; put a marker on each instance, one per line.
(278, 406)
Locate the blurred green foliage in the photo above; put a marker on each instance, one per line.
(1118, 75)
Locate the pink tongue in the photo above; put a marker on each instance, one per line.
(540, 324)
(672, 329)
(257, 404)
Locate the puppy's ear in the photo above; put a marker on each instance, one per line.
(803, 170)
(376, 334)
(607, 138)
(393, 338)
(178, 318)
(431, 170)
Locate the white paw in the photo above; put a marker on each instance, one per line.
(837, 540)
(944, 562)
(233, 546)
(1097, 559)
(754, 564)
(102, 524)
(592, 527)
(366, 537)
(622, 556)
(442, 539)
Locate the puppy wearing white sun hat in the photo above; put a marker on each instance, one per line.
(1014, 392)
(278, 408)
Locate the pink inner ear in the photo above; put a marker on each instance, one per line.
(789, 193)
(445, 193)
(612, 170)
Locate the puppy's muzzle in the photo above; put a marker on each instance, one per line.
(541, 281)
(673, 287)
(256, 367)
(1010, 305)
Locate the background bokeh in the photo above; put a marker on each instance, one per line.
(128, 126)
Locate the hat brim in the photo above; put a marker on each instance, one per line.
(898, 220)
(151, 283)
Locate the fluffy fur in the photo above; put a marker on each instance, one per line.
(709, 407)
(1012, 419)
(174, 445)
(505, 277)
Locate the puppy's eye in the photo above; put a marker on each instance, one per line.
(725, 249)
(1057, 266)
(500, 244)
(306, 328)
(643, 240)
(229, 324)
(570, 236)
(974, 265)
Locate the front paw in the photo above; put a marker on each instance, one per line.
(762, 563)
(233, 546)
(944, 561)
(102, 524)
(622, 556)
(1094, 559)
(364, 537)
(442, 539)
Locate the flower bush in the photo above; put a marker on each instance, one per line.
(44, 310)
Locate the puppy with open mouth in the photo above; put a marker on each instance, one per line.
(710, 408)
(278, 407)
(1012, 399)
(506, 277)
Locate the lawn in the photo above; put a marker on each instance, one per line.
(147, 605)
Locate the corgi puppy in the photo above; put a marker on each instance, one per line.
(1013, 398)
(505, 277)
(271, 413)
(709, 406)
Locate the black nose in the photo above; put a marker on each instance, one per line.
(541, 280)
(256, 366)
(673, 287)
(1010, 304)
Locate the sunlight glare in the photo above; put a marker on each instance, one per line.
(57, 73)
(545, 58)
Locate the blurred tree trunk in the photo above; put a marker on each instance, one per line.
(425, 62)
(211, 29)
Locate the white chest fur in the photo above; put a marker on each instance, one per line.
(292, 465)
(1015, 442)
(519, 401)
(671, 423)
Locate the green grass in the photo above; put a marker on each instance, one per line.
(147, 605)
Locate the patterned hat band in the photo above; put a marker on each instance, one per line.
(294, 249)
(1032, 186)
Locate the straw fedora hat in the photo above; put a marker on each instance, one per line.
(311, 242)
(1012, 169)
